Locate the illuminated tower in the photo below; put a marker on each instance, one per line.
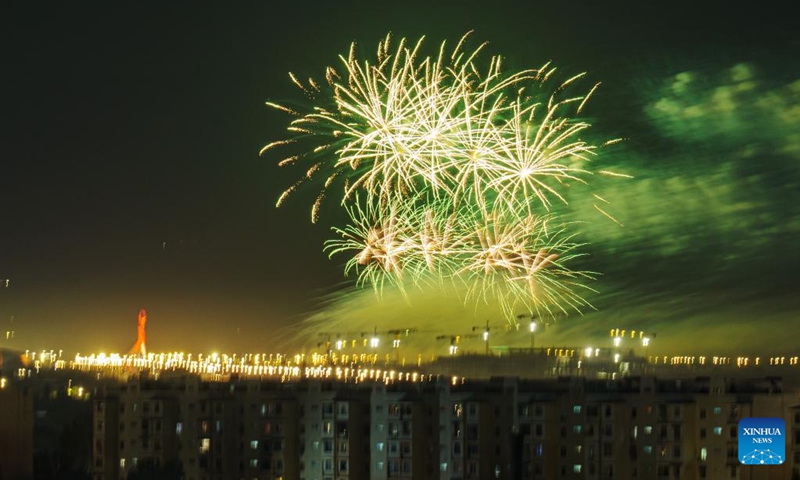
(139, 346)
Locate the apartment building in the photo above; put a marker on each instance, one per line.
(642, 428)
(16, 431)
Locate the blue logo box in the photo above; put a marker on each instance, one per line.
(762, 441)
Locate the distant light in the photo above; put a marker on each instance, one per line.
(374, 342)
(646, 341)
(485, 335)
(533, 327)
(617, 341)
(589, 351)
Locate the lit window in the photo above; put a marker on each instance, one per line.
(648, 429)
(717, 430)
(254, 445)
(205, 445)
(703, 454)
(648, 449)
(178, 428)
(379, 446)
(717, 410)
(576, 409)
(254, 463)
(576, 468)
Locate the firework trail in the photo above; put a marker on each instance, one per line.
(448, 172)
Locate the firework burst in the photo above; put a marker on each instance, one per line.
(448, 171)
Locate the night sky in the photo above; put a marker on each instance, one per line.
(131, 179)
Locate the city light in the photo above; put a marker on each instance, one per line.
(221, 367)
(346, 363)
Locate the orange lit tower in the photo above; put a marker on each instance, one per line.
(139, 346)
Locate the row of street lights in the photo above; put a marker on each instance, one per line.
(619, 334)
(531, 328)
(483, 331)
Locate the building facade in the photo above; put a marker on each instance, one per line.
(16, 431)
(505, 428)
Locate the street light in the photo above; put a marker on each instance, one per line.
(531, 327)
(485, 335)
(454, 340)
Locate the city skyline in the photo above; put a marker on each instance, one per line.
(133, 179)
